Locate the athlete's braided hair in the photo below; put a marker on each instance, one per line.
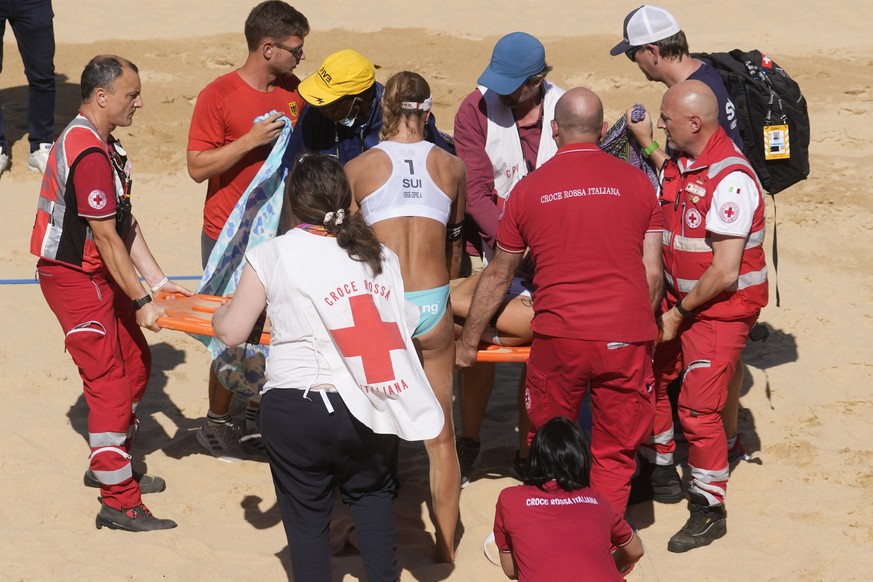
(404, 86)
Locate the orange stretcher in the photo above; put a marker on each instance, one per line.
(194, 315)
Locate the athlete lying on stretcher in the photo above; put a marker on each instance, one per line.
(511, 325)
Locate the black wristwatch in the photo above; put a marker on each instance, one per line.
(138, 303)
(682, 311)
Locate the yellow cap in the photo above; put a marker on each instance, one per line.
(346, 72)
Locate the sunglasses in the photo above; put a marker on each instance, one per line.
(297, 52)
(631, 53)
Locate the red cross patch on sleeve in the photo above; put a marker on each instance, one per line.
(729, 212)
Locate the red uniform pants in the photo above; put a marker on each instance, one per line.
(114, 361)
(559, 372)
(708, 351)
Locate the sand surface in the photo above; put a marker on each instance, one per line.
(799, 512)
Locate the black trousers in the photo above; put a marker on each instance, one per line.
(31, 22)
(310, 452)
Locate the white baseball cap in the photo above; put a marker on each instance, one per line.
(646, 24)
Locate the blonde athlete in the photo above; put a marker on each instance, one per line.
(412, 194)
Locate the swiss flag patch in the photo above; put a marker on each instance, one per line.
(766, 62)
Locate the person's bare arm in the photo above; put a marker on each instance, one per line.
(727, 256)
(629, 554)
(654, 264)
(233, 321)
(507, 562)
(146, 264)
(493, 283)
(641, 131)
(117, 259)
(456, 217)
(205, 164)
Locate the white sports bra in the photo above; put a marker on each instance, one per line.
(410, 191)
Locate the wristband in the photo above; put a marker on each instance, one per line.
(454, 231)
(682, 311)
(160, 284)
(138, 303)
(648, 151)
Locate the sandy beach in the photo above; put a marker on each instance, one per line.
(796, 512)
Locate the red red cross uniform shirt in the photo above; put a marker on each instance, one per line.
(714, 194)
(585, 214)
(559, 535)
(79, 184)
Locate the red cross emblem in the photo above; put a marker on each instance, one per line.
(370, 339)
(729, 212)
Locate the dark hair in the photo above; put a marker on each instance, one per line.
(275, 20)
(533, 78)
(101, 72)
(559, 452)
(673, 47)
(402, 86)
(319, 193)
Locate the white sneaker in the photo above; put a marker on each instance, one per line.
(39, 158)
(4, 161)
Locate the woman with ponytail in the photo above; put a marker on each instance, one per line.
(334, 296)
(412, 194)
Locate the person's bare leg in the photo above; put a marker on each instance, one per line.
(438, 359)
(514, 319)
(219, 396)
(477, 382)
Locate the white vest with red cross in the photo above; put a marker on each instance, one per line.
(686, 197)
(360, 326)
(503, 144)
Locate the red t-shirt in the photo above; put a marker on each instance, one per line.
(224, 112)
(559, 535)
(584, 215)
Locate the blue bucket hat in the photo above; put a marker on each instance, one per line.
(516, 57)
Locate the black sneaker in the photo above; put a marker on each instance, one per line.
(137, 518)
(468, 452)
(706, 524)
(659, 483)
(519, 468)
(147, 483)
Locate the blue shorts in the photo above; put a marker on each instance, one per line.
(431, 305)
(519, 287)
